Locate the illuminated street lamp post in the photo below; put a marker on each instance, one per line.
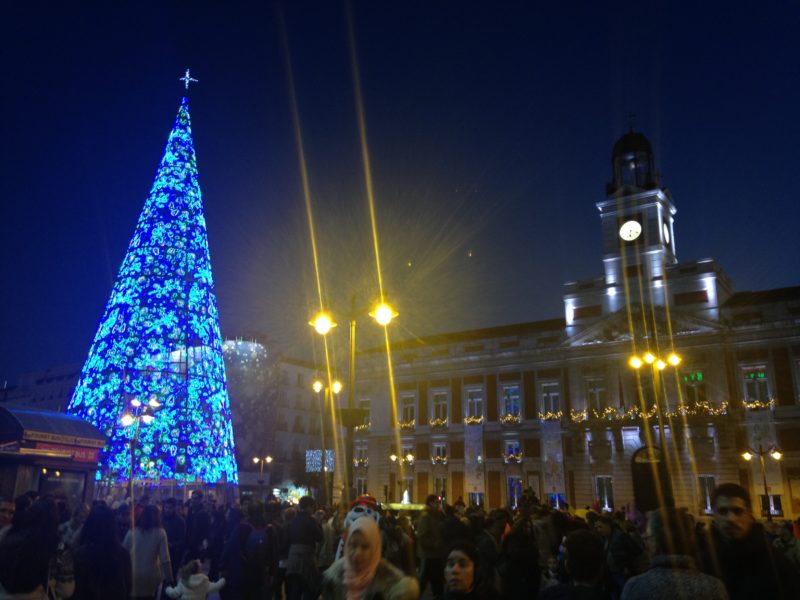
(324, 398)
(134, 415)
(400, 461)
(257, 460)
(658, 364)
(776, 455)
(352, 416)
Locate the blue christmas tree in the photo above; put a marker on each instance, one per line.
(159, 340)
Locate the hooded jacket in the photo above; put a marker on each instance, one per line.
(197, 588)
(389, 583)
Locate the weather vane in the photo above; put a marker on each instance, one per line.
(187, 79)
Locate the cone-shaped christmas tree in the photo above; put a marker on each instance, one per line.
(158, 350)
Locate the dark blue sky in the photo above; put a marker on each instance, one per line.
(490, 130)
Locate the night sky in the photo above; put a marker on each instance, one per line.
(490, 127)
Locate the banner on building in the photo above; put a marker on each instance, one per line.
(553, 459)
(473, 459)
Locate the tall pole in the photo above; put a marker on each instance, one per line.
(323, 397)
(351, 403)
(261, 480)
(764, 478)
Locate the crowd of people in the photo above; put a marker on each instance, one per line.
(269, 550)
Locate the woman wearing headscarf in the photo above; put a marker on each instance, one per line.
(362, 574)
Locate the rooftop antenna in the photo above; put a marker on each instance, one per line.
(631, 117)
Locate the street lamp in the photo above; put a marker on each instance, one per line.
(135, 414)
(776, 455)
(658, 364)
(351, 416)
(319, 387)
(257, 460)
(400, 461)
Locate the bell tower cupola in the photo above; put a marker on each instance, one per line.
(633, 164)
(637, 216)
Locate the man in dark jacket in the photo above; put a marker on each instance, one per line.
(175, 526)
(737, 551)
(430, 547)
(585, 565)
(198, 529)
(303, 534)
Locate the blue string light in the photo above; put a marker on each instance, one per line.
(159, 337)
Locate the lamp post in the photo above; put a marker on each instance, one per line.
(257, 460)
(776, 455)
(657, 364)
(400, 460)
(351, 416)
(323, 393)
(134, 415)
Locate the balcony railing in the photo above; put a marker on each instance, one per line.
(439, 460)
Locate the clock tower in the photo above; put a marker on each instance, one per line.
(637, 215)
(637, 221)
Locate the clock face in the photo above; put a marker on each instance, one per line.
(665, 229)
(630, 230)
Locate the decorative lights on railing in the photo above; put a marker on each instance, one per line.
(510, 419)
(633, 413)
(551, 416)
(362, 427)
(434, 422)
(439, 460)
(473, 420)
(759, 405)
(408, 425)
(513, 458)
(408, 459)
(361, 462)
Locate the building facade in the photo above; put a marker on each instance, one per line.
(649, 389)
(275, 411)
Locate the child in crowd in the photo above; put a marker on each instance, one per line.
(193, 584)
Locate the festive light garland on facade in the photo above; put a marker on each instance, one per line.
(510, 419)
(408, 425)
(437, 422)
(513, 458)
(550, 416)
(473, 420)
(160, 336)
(758, 405)
(633, 413)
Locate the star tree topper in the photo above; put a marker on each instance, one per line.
(187, 79)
